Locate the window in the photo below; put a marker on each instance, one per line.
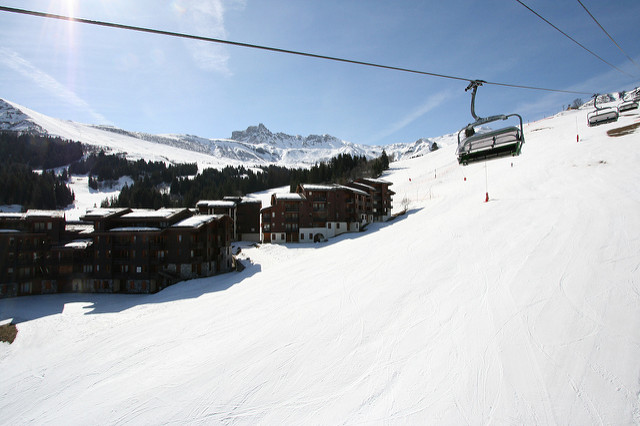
(329, 225)
(179, 238)
(49, 226)
(282, 237)
(338, 225)
(138, 269)
(302, 236)
(310, 236)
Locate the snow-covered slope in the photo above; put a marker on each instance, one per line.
(254, 146)
(522, 310)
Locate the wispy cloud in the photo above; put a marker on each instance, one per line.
(206, 18)
(17, 63)
(431, 103)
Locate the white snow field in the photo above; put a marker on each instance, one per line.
(522, 310)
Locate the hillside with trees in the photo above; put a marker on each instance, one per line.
(20, 154)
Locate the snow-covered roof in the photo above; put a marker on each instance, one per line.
(363, 185)
(217, 203)
(8, 231)
(317, 187)
(16, 216)
(79, 244)
(135, 229)
(382, 181)
(246, 200)
(101, 213)
(357, 191)
(197, 221)
(79, 228)
(54, 214)
(163, 213)
(289, 196)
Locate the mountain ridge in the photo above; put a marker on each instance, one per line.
(256, 145)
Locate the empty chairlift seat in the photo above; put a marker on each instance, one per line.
(486, 145)
(489, 145)
(627, 106)
(601, 115)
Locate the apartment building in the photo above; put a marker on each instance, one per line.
(115, 250)
(317, 212)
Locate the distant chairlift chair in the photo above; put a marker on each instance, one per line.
(627, 106)
(473, 147)
(601, 115)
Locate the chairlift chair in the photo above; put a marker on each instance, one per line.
(627, 106)
(601, 115)
(474, 147)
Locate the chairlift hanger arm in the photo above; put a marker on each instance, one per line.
(595, 99)
(473, 85)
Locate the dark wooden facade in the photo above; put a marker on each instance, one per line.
(317, 212)
(132, 251)
(244, 213)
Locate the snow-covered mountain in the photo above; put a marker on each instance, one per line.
(254, 146)
(521, 310)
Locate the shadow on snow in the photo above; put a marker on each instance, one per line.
(27, 308)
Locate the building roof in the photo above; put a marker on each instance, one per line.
(197, 221)
(102, 213)
(135, 229)
(379, 181)
(246, 200)
(49, 214)
(289, 196)
(79, 244)
(363, 185)
(317, 187)
(162, 213)
(356, 190)
(217, 203)
(80, 228)
(15, 216)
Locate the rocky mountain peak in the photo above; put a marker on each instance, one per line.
(253, 134)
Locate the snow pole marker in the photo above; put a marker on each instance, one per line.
(486, 182)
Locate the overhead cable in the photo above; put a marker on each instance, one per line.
(267, 48)
(608, 35)
(574, 40)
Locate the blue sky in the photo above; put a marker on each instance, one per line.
(158, 84)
